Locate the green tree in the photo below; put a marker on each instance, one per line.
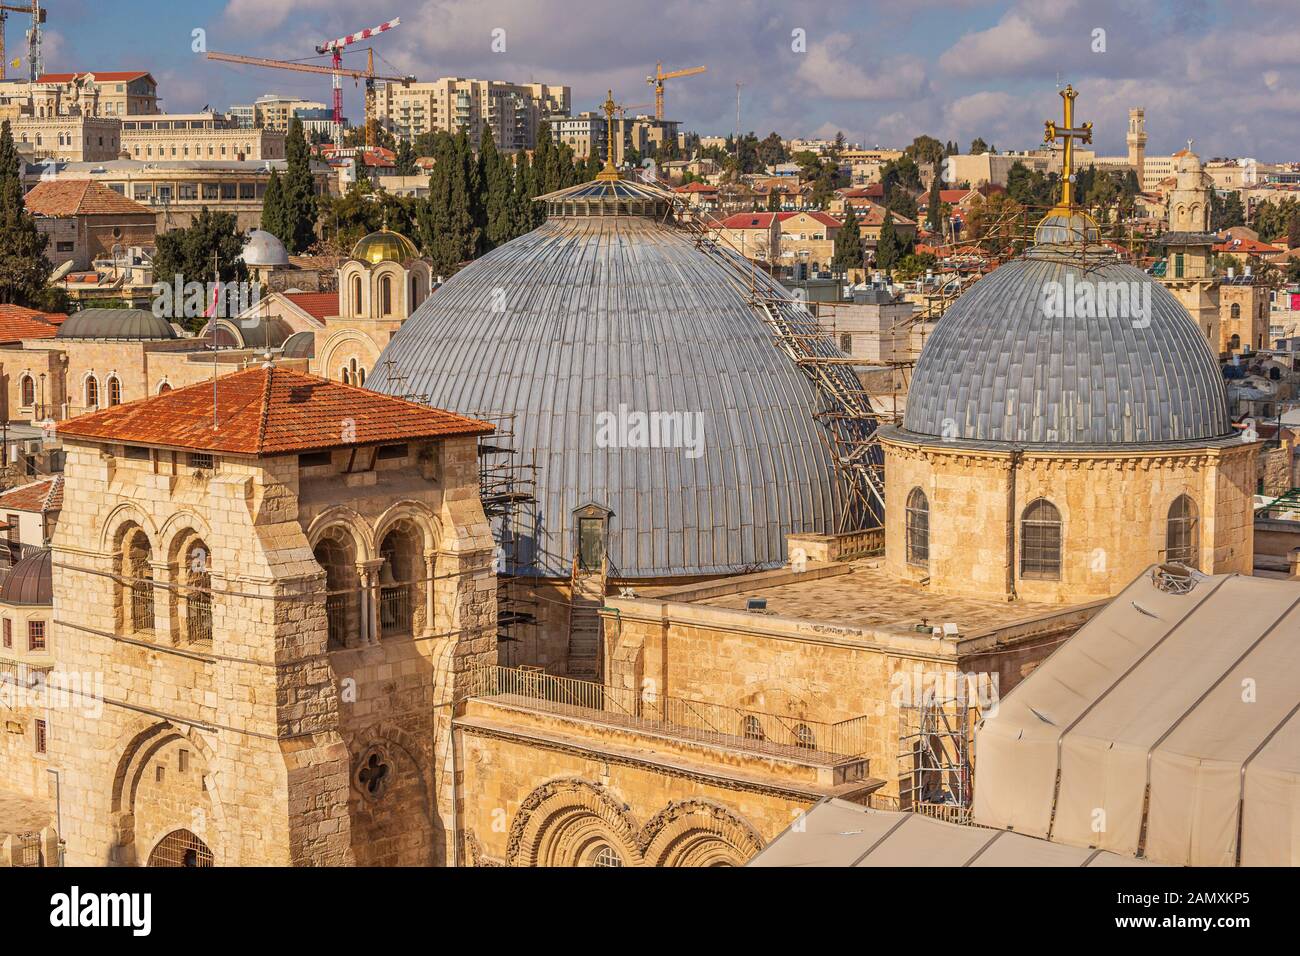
(848, 243)
(1227, 212)
(24, 270)
(888, 249)
(497, 184)
(934, 210)
(449, 222)
(924, 149)
(299, 219)
(190, 254)
(273, 210)
(773, 200)
(771, 150)
(978, 147)
(406, 158)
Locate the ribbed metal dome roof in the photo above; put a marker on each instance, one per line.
(29, 581)
(601, 314)
(115, 324)
(299, 345)
(1000, 367)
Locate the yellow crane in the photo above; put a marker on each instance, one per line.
(657, 81)
(38, 17)
(368, 74)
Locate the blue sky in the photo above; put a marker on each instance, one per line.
(1224, 74)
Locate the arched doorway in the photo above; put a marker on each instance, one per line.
(180, 848)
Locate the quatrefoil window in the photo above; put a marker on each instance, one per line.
(374, 773)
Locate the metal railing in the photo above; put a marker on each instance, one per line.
(395, 610)
(700, 721)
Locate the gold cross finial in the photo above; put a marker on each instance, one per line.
(1067, 133)
(610, 172)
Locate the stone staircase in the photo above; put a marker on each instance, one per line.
(588, 596)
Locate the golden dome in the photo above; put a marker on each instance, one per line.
(385, 246)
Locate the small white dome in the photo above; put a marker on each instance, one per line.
(264, 249)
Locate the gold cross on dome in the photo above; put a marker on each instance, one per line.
(1068, 133)
(610, 171)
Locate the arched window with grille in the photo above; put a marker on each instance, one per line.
(1040, 541)
(28, 391)
(137, 569)
(114, 390)
(918, 528)
(92, 392)
(1236, 310)
(1181, 532)
(751, 728)
(198, 594)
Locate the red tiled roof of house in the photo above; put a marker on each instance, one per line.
(319, 305)
(874, 191)
(1248, 246)
(109, 77)
(18, 322)
(79, 197)
(825, 218)
(954, 195)
(39, 496)
(268, 411)
(748, 220)
(696, 188)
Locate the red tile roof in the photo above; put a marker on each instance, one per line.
(1248, 246)
(696, 188)
(268, 411)
(316, 304)
(40, 496)
(748, 220)
(79, 197)
(110, 77)
(825, 218)
(18, 323)
(874, 191)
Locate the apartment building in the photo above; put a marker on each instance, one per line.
(275, 112)
(512, 111)
(587, 133)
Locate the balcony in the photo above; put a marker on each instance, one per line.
(762, 734)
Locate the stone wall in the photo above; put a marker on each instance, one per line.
(1113, 507)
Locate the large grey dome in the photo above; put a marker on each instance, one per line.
(999, 367)
(599, 311)
(116, 325)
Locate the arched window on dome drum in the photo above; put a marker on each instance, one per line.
(918, 528)
(1040, 541)
(1180, 532)
(386, 295)
(28, 388)
(356, 295)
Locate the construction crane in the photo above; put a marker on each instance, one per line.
(33, 36)
(657, 81)
(335, 49)
(367, 74)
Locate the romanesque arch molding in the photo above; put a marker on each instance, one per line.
(697, 833)
(136, 753)
(416, 513)
(341, 517)
(559, 822)
(118, 522)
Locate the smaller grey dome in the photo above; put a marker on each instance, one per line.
(264, 249)
(116, 324)
(299, 345)
(29, 581)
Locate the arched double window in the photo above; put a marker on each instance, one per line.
(1040, 541)
(917, 530)
(1181, 532)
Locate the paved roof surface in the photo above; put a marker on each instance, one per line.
(269, 411)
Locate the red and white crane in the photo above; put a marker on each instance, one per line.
(336, 47)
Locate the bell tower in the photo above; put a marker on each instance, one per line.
(1137, 143)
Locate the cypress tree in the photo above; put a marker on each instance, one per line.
(498, 187)
(887, 249)
(299, 217)
(848, 243)
(24, 270)
(273, 207)
(934, 215)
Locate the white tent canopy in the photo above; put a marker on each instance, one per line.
(838, 833)
(1174, 722)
